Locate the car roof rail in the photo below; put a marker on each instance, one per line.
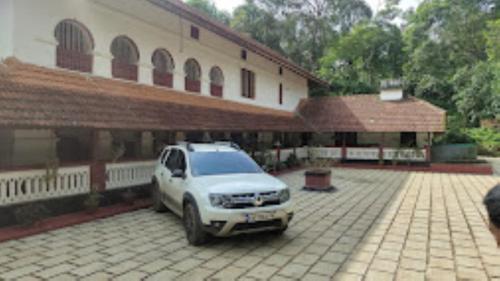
(228, 143)
(187, 144)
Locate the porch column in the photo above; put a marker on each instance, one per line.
(97, 168)
(428, 155)
(381, 150)
(344, 149)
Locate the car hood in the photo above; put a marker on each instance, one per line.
(239, 183)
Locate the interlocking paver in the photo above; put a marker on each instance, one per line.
(379, 225)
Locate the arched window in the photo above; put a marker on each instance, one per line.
(216, 82)
(163, 68)
(74, 46)
(193, 76)
(125, 58)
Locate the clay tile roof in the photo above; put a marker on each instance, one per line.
(34, 96)
(367, 113)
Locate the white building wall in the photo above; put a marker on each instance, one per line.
(150, 28)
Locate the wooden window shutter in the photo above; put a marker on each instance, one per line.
(281, 94)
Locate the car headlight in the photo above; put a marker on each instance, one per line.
(220, 200)
(284, 195)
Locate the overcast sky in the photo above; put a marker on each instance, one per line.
(229, 5)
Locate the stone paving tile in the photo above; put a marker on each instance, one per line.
(380, 225)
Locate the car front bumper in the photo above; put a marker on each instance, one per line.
(227, 222)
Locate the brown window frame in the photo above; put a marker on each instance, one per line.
(280, 94)
(75, 46)
(125, 58)
(162, 75)
(248, 82)
(195, 32)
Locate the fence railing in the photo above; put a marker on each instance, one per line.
(120, 175)
(405, 154)
(31, 185)
(363, 153)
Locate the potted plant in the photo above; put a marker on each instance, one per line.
(319, 177)
(91, 203)
(129, 197)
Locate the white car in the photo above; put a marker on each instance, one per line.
(219, 190)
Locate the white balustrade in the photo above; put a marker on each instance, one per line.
(127, 174)
(31, 185)
(363, 153)
(406, 154)
(302, 152)
(327, 152)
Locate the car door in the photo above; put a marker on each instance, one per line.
(166, 179)
(161, 169)
(177, 185)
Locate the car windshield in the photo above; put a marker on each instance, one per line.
(220, 163)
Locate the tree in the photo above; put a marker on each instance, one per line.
(301, 30)
(258, 24)
(443, 37)
(208, 8)
(493, 50)
(474, 99)
(360, 59)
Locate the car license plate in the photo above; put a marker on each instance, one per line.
(264, 216)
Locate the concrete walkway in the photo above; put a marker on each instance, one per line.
(380, 225)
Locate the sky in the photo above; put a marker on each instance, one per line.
(229, 5)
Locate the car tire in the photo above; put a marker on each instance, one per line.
(193, 225)
(158, 205)
(280, 231)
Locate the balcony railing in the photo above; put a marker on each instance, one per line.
(31, 185)
(192, 85)
(163, 79)
(216, 90)
(73, 60)
(124, 70)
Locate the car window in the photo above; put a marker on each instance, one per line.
(181, 161)
(171, 163)
(220, 163)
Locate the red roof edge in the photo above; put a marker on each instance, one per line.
(180, 8)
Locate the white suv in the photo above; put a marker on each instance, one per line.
(218, 189)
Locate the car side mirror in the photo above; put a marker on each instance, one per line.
(178, 173)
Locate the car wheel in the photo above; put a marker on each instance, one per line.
(193, 226)
(158, 206)
(280, 231)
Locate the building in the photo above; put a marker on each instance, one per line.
(92, 88)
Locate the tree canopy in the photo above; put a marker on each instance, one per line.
(446, 51)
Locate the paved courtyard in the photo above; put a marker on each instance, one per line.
(380, 225)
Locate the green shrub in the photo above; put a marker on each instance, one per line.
(92, 201)
(30, 214)
(487, 140)
(292, 161)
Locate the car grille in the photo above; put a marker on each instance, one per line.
(253, 200)
(256, 225)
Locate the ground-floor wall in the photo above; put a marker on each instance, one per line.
(369, 139)
(42, 147)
